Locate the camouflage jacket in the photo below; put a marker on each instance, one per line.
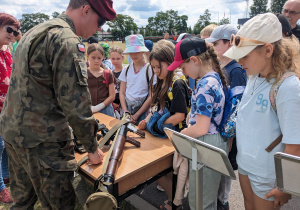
(49, 91)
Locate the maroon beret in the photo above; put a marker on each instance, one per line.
(104, 8)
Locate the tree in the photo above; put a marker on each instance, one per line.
(122, 26)
(168, 21)
(181, 25)
(258, 7)
(204, 20)
(28, 21)
(224, 21)
(277, 5)
(189, 30)
(55, 14)
(141, 31)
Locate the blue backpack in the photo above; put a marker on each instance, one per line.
(227, 127)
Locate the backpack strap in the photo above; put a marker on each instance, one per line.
(147, 74)
(126, 72)
(275, 87)
(170, 92)
(272, 96)
(106, 77)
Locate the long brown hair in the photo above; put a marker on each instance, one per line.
(96, 47)
(163, 51)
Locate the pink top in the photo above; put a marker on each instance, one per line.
(5, 71)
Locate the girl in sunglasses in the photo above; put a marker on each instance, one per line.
(262, 118)
(8, 30)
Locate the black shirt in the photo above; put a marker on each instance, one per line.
(117, 86)
(180, 102)
(296, 31)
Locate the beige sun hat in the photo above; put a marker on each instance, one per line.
(263, 28)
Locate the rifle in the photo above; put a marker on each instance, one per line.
(104, 130)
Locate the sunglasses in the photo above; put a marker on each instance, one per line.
(237, 40)
(10, 30)
(290, 12)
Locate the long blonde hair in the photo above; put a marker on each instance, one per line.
(285, 57)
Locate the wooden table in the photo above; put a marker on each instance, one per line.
(138, 167)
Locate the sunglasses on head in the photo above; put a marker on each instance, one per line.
(237, 40)
(10, 30)
(291, 12)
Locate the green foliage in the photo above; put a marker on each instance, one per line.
(277, 5)
(190, 30)
(122, 26)
(168, 21)
(55, 14)
(141, 31)
(224, 21)
(28, 21)
(204, 20)
(258, 7)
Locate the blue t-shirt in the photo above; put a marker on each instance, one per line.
(208, 99)
(235, 74)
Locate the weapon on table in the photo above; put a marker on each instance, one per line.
(113, 157)
(104, 130)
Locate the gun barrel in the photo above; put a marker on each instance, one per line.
(116, 155)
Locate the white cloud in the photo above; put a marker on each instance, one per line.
(140, 10)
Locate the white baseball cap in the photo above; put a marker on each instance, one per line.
(263, 28)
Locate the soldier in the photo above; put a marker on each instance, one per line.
(48, 92)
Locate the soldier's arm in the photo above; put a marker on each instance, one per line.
(71, 90)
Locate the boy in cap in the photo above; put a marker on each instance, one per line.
(47, 94)
(235, 75)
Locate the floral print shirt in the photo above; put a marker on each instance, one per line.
(5, 71)
(208, 99)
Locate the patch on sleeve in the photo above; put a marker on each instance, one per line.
(81, 47)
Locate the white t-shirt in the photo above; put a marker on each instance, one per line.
(136, 83)
(258, 125)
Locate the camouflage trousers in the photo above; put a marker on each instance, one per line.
(44, 172)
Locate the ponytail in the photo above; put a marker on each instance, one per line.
(210, 56)
(216, 64)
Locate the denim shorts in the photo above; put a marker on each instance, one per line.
(260, 186)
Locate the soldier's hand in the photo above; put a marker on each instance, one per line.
(95, 158)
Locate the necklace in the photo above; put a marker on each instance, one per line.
(254, 89)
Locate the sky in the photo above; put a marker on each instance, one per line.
(140, 10)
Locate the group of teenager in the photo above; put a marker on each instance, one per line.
(157, 95)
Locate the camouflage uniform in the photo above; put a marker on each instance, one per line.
(47, 93)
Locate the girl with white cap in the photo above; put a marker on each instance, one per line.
(266, 57)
